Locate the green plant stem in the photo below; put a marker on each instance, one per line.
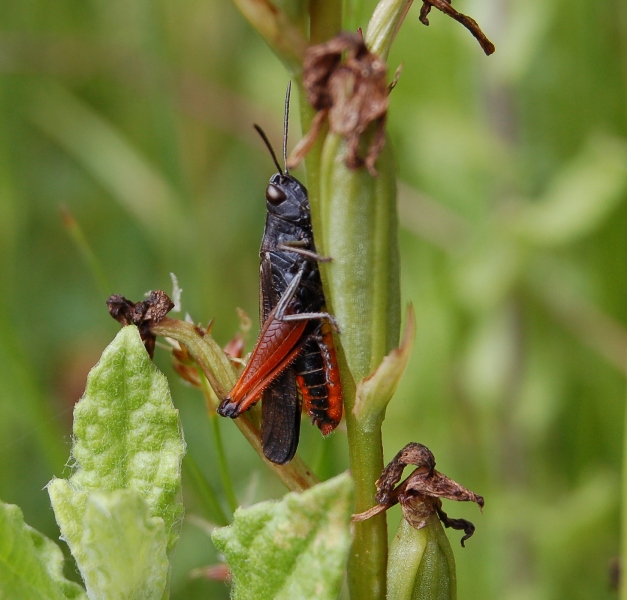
(206, 492)
(225, 476)
(354, 220)
(358, 218)
(325, 20)
(212, 402)
(93, 264)
(368, 560)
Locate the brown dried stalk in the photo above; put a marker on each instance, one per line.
(467, 22)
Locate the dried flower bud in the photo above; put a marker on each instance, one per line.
(235, 346)
(189, 374)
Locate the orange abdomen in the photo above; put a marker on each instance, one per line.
(318, 377)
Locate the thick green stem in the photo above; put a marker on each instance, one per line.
(354, 219)
(358, 218)
(368, 560)
(355, 222)
(359, 270)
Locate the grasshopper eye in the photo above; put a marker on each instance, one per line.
(274, 194)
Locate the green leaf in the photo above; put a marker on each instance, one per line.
(126, 436)
(384, 25)
(277, 29)
(375, 391)
(125, 548)
(31, 565)
(295, 548)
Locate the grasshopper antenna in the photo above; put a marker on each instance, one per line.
(285, 123)
(264, 137)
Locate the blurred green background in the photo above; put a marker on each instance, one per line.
(130, 123)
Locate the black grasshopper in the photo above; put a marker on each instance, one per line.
(293, 361)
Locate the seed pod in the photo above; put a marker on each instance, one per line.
(421, 565)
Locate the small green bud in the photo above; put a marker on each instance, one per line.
(421, 565)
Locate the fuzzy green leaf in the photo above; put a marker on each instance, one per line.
(125, 548)
(295, 548)
(31, 565)
(126, 436)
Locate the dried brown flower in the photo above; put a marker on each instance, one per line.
(347, 84)
(235, 346)
(420, 495)
(143, 314)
